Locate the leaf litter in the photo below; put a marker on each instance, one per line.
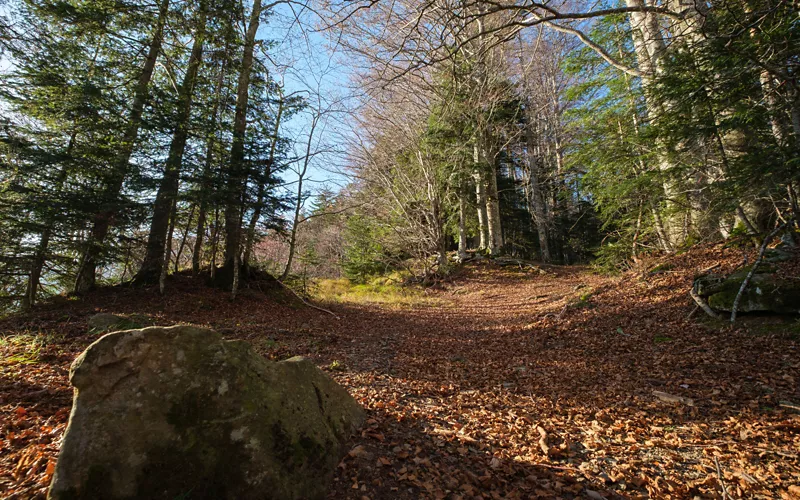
(511, 384)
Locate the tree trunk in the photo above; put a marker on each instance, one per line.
(184, 238)
(480, 192)
(536, 196)
(236, 174)
(214, 243)
(493, 210)
(251, 230)
(649, 47)
(162, 278)
(168, 189)
(206, 175)
(462, 225)
(101, 223)
(40, 256)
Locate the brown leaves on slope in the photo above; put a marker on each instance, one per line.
(512, 385)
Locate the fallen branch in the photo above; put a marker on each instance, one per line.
(790, 405)
(671, 398)
(709, 269)
(746, 281)
(543, 440)
(309, 304)
(721, 480)
(702, 304)
(457, 435)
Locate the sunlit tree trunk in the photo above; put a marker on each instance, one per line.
(462, 225)
(649, 48)
(237, 180)
(480, 192)
(493, 222)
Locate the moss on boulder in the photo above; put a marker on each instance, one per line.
(765, 292)
(180, 413)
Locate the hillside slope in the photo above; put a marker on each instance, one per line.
(499, 383)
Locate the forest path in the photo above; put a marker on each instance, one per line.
(462, 391)
(461, 387)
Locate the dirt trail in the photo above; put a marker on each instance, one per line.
(490, 388)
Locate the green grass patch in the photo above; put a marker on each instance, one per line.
(389, 291)
(583, 301)
(23, 349)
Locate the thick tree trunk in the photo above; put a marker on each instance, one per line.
(168, 189)
(480, 192)
(462, 225)
(493, 210)
(649, 47)
(101, 223)
(237, 177)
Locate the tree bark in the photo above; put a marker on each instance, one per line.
(480, 192)
(649, 48)
(166, 197)
(184, 238)
(493, 209)
(206, 175)
(462, 225)
(237, 180)
(536, 196)
(101, 223)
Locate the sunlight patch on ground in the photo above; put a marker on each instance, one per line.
(383, 291)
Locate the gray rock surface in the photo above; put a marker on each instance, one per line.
(180, 413)
(106, 323)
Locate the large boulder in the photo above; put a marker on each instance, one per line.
(767, 292)
(165, 413)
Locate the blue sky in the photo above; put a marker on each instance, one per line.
(302, 60)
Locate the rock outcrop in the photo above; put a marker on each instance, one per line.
(767, 292)
(180, 413)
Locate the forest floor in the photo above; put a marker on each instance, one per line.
(500, 383)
